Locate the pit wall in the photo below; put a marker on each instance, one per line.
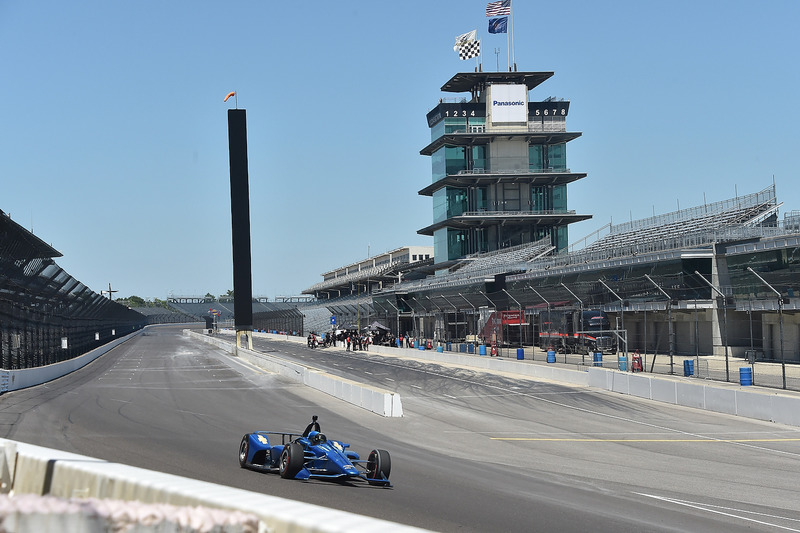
(33, 470)
(748, 401)
(376, 400)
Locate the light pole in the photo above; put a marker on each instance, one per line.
(549, 320)
(455, 309)
(622, 314)
(494, 326)
(669, 320)
(520, 315)
(421, 333)
(396, 310)
(474, 313)
(780, 319)
(434, 319)
(725, 321)
(580, 303)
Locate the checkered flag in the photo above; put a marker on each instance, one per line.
(469, 50)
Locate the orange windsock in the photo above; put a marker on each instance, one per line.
(229, 95)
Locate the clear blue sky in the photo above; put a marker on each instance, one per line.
(113, 136)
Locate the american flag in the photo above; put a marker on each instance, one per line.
(494, 9)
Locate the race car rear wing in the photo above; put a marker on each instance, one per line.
(286, 437)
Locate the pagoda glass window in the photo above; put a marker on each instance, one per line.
(456, 244)
(440, 253)
(557, 156)
(437, 130)
(560, 198)
(440, 205)
(481, 200)
(455, 125)
(547, 157)
(478, 158)
(457, 203)
(541, 199)
(448, 160)
(535, 157)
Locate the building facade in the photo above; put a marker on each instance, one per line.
(499, 166)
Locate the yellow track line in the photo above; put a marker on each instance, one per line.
(640, 440)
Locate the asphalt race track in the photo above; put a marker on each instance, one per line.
(474, 451)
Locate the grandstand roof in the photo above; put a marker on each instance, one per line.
(18, 243)
(467, 81)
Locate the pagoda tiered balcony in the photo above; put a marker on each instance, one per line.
(479, 177)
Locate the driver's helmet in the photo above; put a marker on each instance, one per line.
(315, 438)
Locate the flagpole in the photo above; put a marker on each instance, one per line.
(508, 45)
(513, 54)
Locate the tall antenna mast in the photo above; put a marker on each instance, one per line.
(109, 292)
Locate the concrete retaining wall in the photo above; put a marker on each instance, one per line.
(750, 402)
(378, 401)
(28, 469)
(28, 377)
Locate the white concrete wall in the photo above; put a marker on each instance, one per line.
(29, 469)
(751, 402)
(19, 379)
(379, 401)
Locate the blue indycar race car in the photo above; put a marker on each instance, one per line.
(312, 455)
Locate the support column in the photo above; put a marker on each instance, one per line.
(240, 228)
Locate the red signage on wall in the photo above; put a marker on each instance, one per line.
(512, 318)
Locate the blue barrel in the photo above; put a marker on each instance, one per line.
(439, 349)
(746, 376)
(597, 359)
(449, 346)
(551, 356)
(520, 354)
(623, 363)
(462, 348)
(471, 348)
(482, 349)
(688, 367)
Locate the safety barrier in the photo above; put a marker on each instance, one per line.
(731, 399)
(749, 402)
(29, 469)
(376, 400)
(28, 377)
(760, 404)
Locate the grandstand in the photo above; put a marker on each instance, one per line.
(707, 221)
(373, 273)
(46, 315)
(201, 307)
(162, 315)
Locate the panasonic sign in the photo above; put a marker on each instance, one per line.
(509, 103)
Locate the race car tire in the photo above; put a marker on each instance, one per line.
(244, 451)
(291, 461)
(379, 465)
